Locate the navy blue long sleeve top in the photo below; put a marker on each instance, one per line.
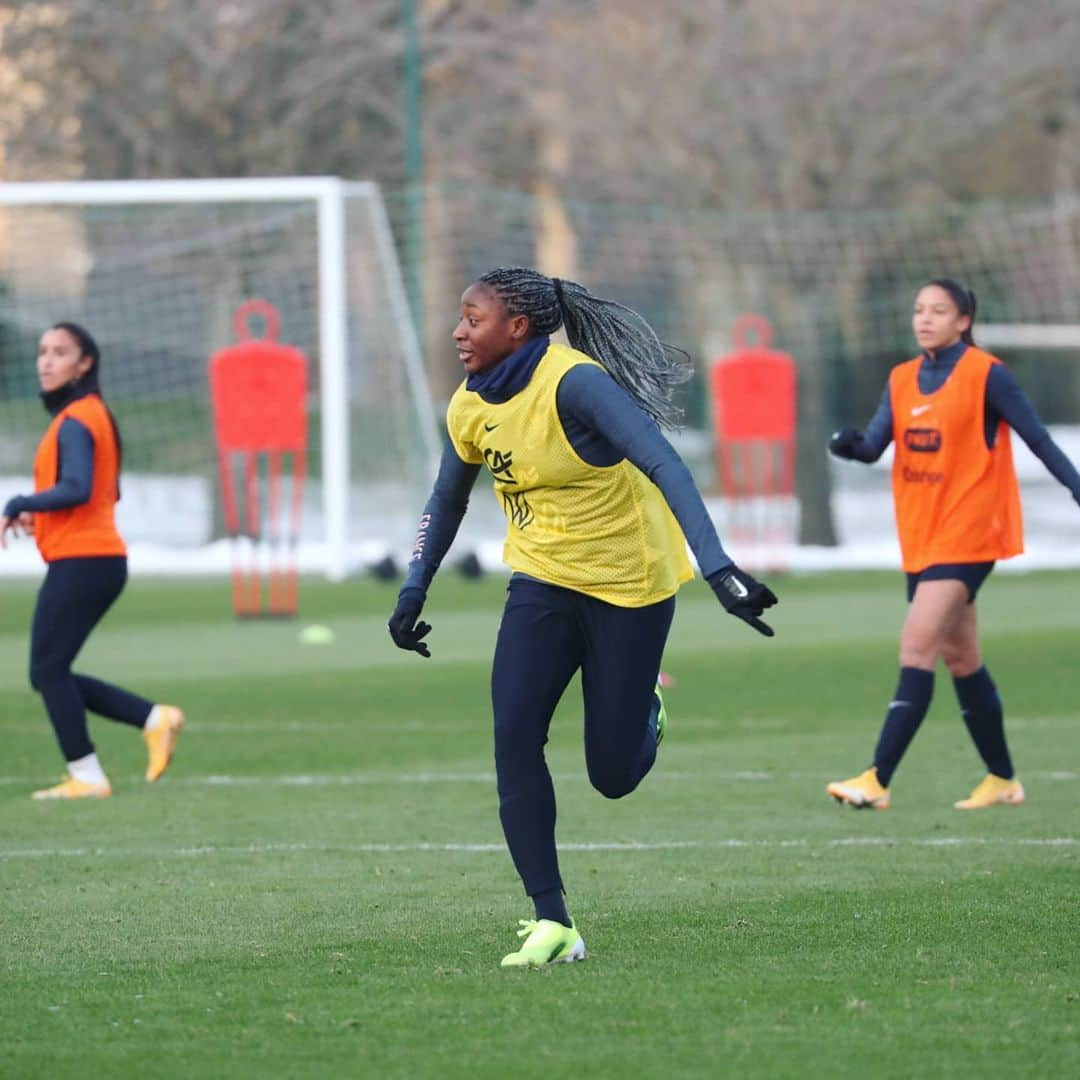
(604, 426)
(1005, 400)
(75, 475)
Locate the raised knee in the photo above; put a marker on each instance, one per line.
(612, 785)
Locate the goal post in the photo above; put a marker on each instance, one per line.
(154, 269)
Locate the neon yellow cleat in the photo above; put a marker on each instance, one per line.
(70, 788)
(546, 942)
(161, 741)
(863, 792)
(993, 791)
(661, 716)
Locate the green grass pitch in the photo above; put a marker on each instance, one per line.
(318, 887)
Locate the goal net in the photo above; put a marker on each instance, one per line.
(155, 270)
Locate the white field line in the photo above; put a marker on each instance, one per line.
(481, 777)
(24, 727)
(407, 779)
(485, 849)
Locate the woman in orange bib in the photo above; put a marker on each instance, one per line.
(71, 516)
(957, 502)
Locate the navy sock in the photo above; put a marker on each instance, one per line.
(981, 707)
(551, 905)
(906, 711)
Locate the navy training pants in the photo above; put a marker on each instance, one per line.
(547, 633)
(72, 600)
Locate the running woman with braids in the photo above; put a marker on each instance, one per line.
(957, 512)
(71, 516)
(597, 506)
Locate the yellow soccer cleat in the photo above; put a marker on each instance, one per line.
(546, 942)
(991, 792)
(70, 788)
(863, 792)
(161, 741)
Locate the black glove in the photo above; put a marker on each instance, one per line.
(743, 596)
(844, 443)
(404, 629)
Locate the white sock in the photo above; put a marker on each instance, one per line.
(153, 719)
(88, 769)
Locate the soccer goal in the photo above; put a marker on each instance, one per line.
(156, 271)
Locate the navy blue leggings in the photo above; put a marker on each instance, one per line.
(73, 598)
(547, 634)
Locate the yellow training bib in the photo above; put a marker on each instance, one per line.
(603, 531)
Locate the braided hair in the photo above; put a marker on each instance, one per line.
(965, 302)
(617, 336)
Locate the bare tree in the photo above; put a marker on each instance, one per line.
(775, 104)
(738, 106)
(199, 87)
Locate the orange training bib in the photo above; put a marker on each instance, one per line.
(90, 529)
(956, 499)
